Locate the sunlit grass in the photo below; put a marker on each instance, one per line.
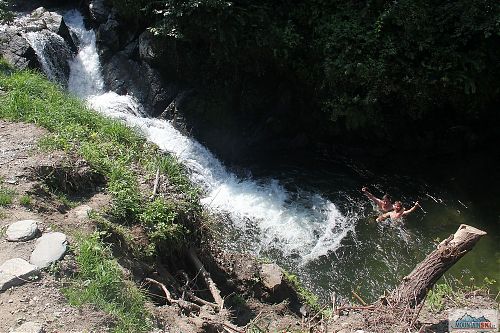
(100, 281)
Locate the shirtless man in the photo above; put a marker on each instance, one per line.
(383, 204)
(398, 212)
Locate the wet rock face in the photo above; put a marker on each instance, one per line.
(99, 11)
(40, 33)
(126, 76)
(16, 49)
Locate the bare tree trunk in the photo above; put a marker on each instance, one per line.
(415, 286)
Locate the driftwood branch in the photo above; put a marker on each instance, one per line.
(415, 286)
(206, 277)
(185, 305)
(155, 186)
(179, 289)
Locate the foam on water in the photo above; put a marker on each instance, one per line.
(302, 224)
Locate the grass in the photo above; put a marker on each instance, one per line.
(456, 290)
(25, 201)
(306, 295)
(116, 151)
(100, 281)
(6, 196)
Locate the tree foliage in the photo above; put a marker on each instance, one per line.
(5, 14)
(360, 64)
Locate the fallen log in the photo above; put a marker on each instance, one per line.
(412, 291)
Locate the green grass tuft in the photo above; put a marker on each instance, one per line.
(6, 196)
(100, 282)
(25, 200)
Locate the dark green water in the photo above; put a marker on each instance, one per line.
(375, 256)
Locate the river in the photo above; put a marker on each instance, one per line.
(308, 213)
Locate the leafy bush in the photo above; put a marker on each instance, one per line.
(161, 219)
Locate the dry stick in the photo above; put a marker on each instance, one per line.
(232, 328)
(359, 298)
(418, 312)
(168, 296)
(334, 302)
(368, 307)
(155, 187)
(192, 297)
(191, 307)
(206, 277)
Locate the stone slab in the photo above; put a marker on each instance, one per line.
(15, 272)
(22, 230)
(28, 327)
(48, 249)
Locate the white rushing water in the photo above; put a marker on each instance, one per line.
(305, 226)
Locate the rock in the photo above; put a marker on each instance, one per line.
(99, 11)
(49, 248)
(43, 19)
(16, 271)
(271, 276)
(22, 230)
(29, 327)
(139, 79)
(82, 212)
(44, 33)
(16, 50)
(108, 38)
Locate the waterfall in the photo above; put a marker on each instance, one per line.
(53, 53)
(267, 217)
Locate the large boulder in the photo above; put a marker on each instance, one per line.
(126, 76)
(42, 19)
(40, 40)
(108, 38)
(16, 50)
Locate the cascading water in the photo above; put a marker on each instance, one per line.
(53, 53)
(282, 221)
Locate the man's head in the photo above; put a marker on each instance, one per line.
(386, 199)
(397, 206)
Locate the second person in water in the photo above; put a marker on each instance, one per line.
(398, 212)
(393, 211)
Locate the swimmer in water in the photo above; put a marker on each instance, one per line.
(384, 204)
(398, 212)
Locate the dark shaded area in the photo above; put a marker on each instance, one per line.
(274, 76)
